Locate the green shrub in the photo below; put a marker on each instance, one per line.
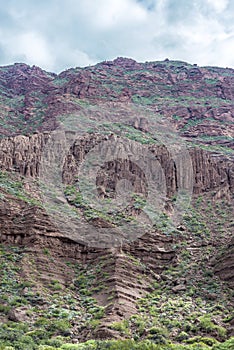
(207, 325)
(227, 345)
(122, 327)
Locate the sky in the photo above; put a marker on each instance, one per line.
(58, 34)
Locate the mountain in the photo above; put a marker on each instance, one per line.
(116, 209)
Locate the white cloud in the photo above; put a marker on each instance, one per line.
(67, 57)
(202, 31)
(224, 49)
(57, 34)
(29, 46)
(35, 49)
(109, 14)
(81, 59)
(218, 5)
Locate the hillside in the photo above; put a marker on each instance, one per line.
(116, 209)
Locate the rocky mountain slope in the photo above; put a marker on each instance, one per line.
(167, 283)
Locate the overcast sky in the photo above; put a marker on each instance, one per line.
(58, 34)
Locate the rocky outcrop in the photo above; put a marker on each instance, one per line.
(224, 264)
(29, 225)
(21, 79)
(197, 101)
(211, 172)
(22, 154)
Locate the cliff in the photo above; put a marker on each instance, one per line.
(119, 290)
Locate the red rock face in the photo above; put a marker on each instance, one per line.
(199, 101)
(196, 101)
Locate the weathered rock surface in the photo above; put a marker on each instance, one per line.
(211, 172)
(224, 265)
(197, 101)
(28, 225)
